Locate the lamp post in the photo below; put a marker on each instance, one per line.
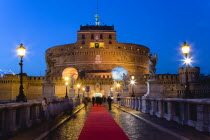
(66, 83)
(83, 89)
(21, 52)
(118, 87)
(132, 82)
(186, 52)
(78, 86)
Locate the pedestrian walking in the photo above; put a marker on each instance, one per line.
(109, 100)
(44, 108)
(118, 99)
(97, 101)
(93, 100)
(85, 101)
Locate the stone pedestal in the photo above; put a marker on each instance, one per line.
(48, 90)
(125, 92)
(72, 93)
(153, 89)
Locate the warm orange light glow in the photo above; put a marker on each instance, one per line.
(66, 78)
(132, 82)
(118, 85)
(78, 85)
(83, 89)
(185, 48)
(132, 77)
(21, 50)
(66, 83)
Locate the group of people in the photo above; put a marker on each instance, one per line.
(98, 100)
(95, 100)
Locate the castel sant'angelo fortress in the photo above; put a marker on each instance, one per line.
(91, 59)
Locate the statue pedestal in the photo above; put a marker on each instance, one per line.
(72, 93)
(48, 90)
(125, 92)
(153, 89)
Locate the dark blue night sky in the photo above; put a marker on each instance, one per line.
(161, 25)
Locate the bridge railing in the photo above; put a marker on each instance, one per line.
(191, 112)
(15, 116)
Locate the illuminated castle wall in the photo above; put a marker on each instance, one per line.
(94, 55)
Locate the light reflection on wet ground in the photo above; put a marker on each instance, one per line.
(134, 128)
(137, 129)
(71, 129)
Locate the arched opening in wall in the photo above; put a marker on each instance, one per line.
(97, 95)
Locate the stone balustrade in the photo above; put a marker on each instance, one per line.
(191, 112)
(15, 116)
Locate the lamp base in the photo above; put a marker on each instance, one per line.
(21, 98)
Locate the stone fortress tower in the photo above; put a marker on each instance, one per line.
(94, 55)
(98, 51)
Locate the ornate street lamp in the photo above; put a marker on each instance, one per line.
(132, 83)
(187, 60)
(21, 52)
(66, 83)
(83, 89)
(78, 87)
(118, 87)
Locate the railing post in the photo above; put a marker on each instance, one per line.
(25, 121)
(202, 118)
(160, 108)
(183, 113)
(36, 113)
(2, 117)
(145, 105)
(10, 119)
(140, 103)
(170, 113)
(152, 107)
(137, 103)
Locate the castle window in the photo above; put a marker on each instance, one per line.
(83, 36)
(96, 45)
(92, 36)
(119, 47)
(83, 42)
(101, 36)
(110, 36)
(125, 48)
(110, 42)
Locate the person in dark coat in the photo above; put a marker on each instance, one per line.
(100, 100)
(97, 100)
(109, 100)
(93, 100)
(85, 101)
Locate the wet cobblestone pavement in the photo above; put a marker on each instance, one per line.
(134, 128)
(137, 129)
(71, 129)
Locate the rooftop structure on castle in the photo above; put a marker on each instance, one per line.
(97, 49)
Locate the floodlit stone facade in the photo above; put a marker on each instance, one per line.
(94, 55)
(97, 52)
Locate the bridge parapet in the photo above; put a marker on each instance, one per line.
(191, 112)
(15, 116)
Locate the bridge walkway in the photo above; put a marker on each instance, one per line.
(135, 124)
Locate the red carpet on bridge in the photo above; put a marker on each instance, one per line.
(101, 126)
